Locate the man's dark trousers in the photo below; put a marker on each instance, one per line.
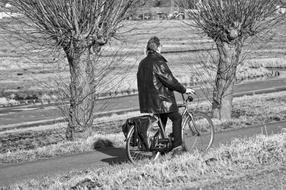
(176, 119)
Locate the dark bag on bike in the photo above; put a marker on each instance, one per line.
(141, 125)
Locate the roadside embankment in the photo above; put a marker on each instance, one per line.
(49, 141)
(243, 157)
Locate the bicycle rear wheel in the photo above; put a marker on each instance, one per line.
(136, 149)
(198, 132)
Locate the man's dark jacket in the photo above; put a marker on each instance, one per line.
(156, 85)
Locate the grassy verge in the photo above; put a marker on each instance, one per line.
(247, 111)
(63, 148)
(16, 149)
(245, 72)
(267, 63)
(267, 178)
(252, 110)
(241, 157)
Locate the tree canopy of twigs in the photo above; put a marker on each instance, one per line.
(65, 22)
(229, 23)
(228, 20)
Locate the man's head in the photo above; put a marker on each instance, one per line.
(154, 44)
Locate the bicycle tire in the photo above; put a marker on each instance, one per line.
(141, 153)
(197, 132)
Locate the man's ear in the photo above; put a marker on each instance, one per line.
(159, 49)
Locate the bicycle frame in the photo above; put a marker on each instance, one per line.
(161, 128)
(161, 139)
(186, 113)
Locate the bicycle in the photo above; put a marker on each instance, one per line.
(197, 133)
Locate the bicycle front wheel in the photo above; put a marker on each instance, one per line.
(198, 132)
(136, 149)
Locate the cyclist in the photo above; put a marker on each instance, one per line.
(156, 86)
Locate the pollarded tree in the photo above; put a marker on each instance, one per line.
(230, 23)
(80, 28)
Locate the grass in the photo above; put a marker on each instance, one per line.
(246, 72)
(267, 63)
(252, 110)
(241, 157)
(247, 111)
(267, 178)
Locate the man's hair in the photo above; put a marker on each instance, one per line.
(153, 44)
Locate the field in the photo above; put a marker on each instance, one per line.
(30, 68)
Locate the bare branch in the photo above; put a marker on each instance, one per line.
(92, 22)
(230, 20)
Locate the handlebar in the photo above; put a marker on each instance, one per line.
(189, 98)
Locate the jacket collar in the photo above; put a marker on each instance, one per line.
(152, 52)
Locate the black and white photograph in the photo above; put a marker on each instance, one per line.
(142, 94)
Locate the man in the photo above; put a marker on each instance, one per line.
(156, 86)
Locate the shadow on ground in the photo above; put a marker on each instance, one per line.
(118, 155)
(107, 147)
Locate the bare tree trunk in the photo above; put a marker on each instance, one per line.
(226, 75)
(82, 93)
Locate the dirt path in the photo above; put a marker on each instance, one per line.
(103, 157)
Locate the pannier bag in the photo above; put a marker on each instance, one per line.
(141, 125)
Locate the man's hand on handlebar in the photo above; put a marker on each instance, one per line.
(190, 91)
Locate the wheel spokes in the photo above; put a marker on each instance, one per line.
(198, 134)
(137, 151)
